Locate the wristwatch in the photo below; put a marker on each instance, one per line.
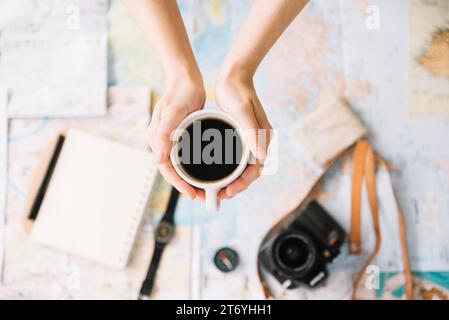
(162, 235)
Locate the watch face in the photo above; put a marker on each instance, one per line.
(164, 232)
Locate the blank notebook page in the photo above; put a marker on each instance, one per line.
(96, 199)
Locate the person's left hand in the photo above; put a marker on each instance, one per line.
(235, 95)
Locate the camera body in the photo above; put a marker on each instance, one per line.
(300, 251)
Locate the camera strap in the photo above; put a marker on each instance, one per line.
(343, 132)
(268, 293)
(364, 166)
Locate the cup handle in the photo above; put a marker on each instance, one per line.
(212, 202)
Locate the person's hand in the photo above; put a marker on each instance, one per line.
(181, 98)
(235, 95)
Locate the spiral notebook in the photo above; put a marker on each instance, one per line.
(95, 198)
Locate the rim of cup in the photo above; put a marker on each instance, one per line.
(184, 124)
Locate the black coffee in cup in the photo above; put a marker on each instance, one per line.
(209, 149)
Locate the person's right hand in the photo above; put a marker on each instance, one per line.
(181, 98)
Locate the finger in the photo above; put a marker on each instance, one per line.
(154, 139)
(265, 133)
(162, 143)
(251, 173)
(170, 117)
(244, 114)
(172, 177)
(259, 111)
(152, 128)
(200, 194)
(222, 194)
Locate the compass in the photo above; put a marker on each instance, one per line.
(226, 259)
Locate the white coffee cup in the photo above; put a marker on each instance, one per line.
(211, 188)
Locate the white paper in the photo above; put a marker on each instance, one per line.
(54, 57)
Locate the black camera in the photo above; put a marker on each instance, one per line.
(299, 252)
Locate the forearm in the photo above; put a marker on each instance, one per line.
(162, 25)
(266, 22)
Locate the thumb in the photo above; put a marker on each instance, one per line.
(160, 145)
(162, 140)
(252, 132)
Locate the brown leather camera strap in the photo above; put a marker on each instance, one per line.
(364, 166)
(356, 195)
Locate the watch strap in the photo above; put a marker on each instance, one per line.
(169, 215)
(147, 284)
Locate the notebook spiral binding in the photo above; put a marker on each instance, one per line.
(135, 221)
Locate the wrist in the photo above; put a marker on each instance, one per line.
(235, 70)
(183, 73)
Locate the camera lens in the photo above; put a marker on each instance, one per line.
(293, 252)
